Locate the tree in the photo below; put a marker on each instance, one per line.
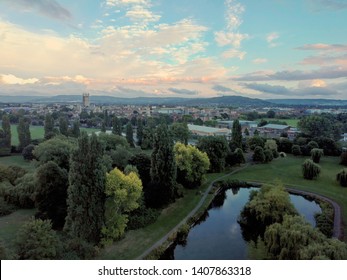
(271, 114)
(130, 134)
(120, 157)
(341, 177)
(27, 152)
(316, 126)
(258, 154)
(24, 135)
(310, 170)
(316, 154)
(343, 158)
(163, 166)
(180, 132)
(268, 155)
(255, 141)
(49, 126)
(143, 164)
(75, 131)
(116, 126)
(57, 149)
(36, 241)
(192, 165)
(296, 150)
(246, 132)
(139, 132)
(63, 126)
(216, 148)
(236, 135)
(51, 193)
(5, 136)
(86, 191)
(123, 193)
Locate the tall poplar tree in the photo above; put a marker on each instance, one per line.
(116, 126)
(63, 126)
(24, 135)
(75, 131)
(5, 136)
(139, 132)
(49, 126)
(163, 165)
(130, 134)
(236, 135)
(86, 191)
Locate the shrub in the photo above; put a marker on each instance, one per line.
(312, 145)
(310, 170)
(296, 150)
(258, 154)
(283, 154)
(316, 154)
(343, 158)
(341, 177)
(268, 155)
(27, 152)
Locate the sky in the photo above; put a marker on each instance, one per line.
(174, 48)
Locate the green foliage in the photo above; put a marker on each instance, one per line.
(130, 135)
(86, 191)
(143, 164)
(120, 157)
(11, 173)
(63, 126)
(49, 126)
(23, 193)
(192, 165)
(285, 145)
(5, 136)
(216, 148)
(255, 141)
(142, 216)
(310, 170)
(238, 156)
(312, 145)
(163, 165)
(341, 177)
(139, 132)
(51, 193)
(325, 220)
(27, 152)
(57, 149)
(316, 126)
(75, 130)
(5, 208)
(295, 239)
(296, 150)
(36, 241)
(236, 134)
(270, 145)
(24, 136)
(258, 155)
(123, 193)
(180, 132)
(130, 168)
(116, 126)
(268, 155)
(111, 141)
(316, 154)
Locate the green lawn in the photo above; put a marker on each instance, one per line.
(288, 171)
(37, 132)
(18, 161)
(291, 122)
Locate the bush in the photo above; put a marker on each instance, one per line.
(37, 241)
(268, 155)
(310, 170)
(312, 145)
(316, 154)
(258, 154)
(343, 158)
(5, 208)
(296, 150)
(27, 152)
(341, 177)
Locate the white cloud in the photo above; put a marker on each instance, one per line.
(13, 80)
(228, 38)
(272, 39)
(260, 60)
(232, 53)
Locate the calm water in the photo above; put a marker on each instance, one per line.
(219, 235)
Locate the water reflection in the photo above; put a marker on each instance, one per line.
(218, 235)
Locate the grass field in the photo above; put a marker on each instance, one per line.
(18, 161)
(37, 132)
(288, 171)
(291, 122)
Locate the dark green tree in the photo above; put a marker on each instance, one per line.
(258, 154)
(5, 136)
(310, 170)
(236, 134)
(341, 177)
(103, 127)
(296, 150)
(49, 126)
(180, 132)
(271, 114)
(27, 152)
(86, 191)
(51, 193)
(64, 126)
(143, 164)
(75, 130)
(317, 126)
(24, 135)
(116, 126)
(130, 134)
(163, 166)
(316, 154)
(216, 148)
(37, 241)
(139, 132)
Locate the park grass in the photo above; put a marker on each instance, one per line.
(37, 132)
(288, 171)
(17, 160)
(10, 225)
(291, 122)
(136, 242)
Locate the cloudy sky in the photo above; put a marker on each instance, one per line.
(186, 48)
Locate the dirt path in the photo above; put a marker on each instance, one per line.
(191, 214)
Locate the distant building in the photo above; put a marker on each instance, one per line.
(208, 131)
(244, 124)
(169, 111)
(273, 130)
(86, 101)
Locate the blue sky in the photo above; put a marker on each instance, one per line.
(196, 48)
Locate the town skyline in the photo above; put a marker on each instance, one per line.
(130, 48)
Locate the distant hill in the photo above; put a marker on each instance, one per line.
(235, 101)
(309, 102)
